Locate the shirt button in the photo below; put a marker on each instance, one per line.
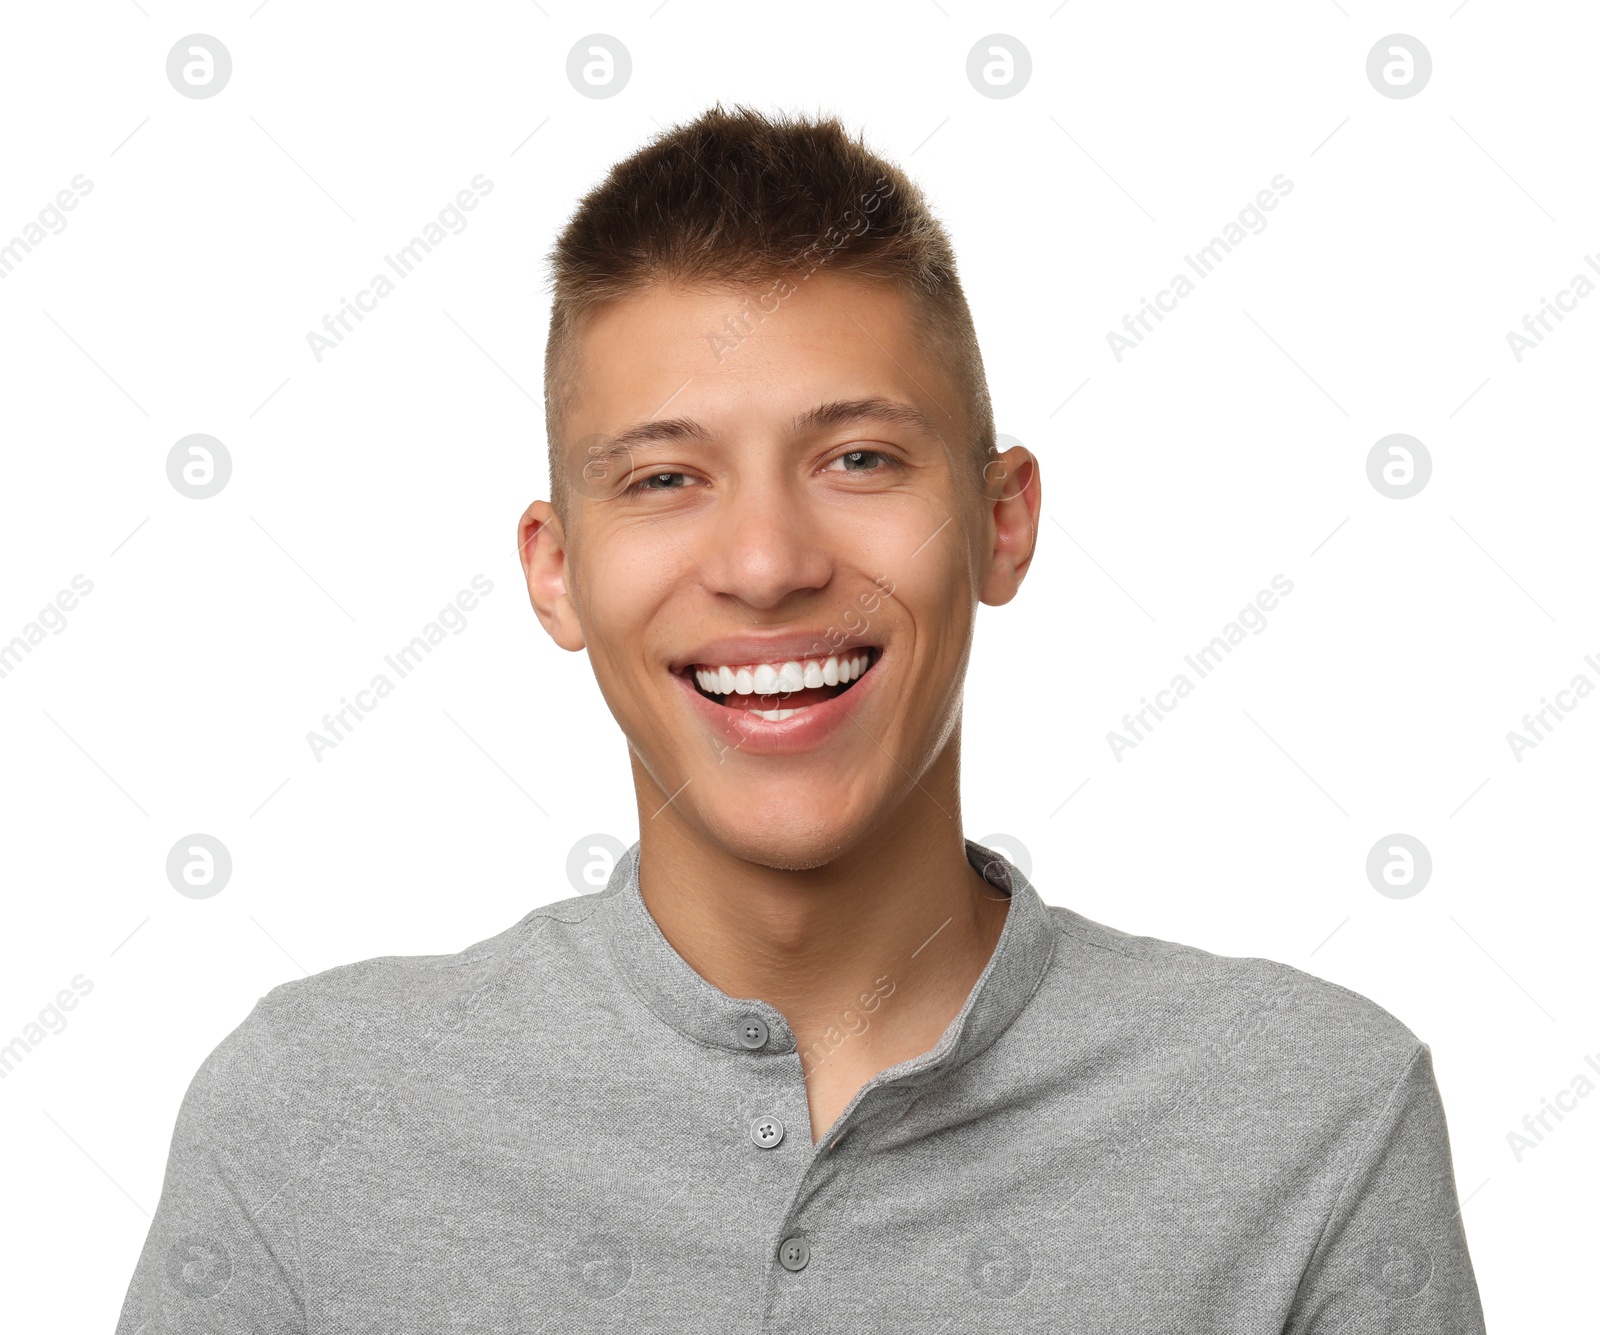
(794, 1253)
(766, 1132)
(753, 1032)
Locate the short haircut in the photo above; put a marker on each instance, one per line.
(736, 198)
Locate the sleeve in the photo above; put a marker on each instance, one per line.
(1392, 1258)
(220, 1257)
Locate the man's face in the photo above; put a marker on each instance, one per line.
(791, 488)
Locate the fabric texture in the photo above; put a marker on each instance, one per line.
(551, 1131)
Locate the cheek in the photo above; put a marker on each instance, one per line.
(940, 613)
(935, 585)
(619, 588)
(617, 573)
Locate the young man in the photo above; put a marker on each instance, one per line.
(812, 1061)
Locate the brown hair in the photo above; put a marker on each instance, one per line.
(735, 197)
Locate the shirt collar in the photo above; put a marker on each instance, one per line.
(704, 1013)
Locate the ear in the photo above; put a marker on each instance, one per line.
(1011, 491)
(542, 545)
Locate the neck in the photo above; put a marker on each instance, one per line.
(868, 956)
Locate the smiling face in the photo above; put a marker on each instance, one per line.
(752, 519)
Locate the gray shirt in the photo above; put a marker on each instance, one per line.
(564, 1128)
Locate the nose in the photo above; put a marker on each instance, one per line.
(763, 543)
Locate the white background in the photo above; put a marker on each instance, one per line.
(369, 488)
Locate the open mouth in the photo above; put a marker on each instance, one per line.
(777, 691)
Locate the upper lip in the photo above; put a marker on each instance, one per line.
(794, 645)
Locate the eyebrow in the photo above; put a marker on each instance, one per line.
(825, 416)
(844, 412)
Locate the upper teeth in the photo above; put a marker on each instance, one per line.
(785, 678)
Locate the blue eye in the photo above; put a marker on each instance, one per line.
(644, 484)
(862, 454)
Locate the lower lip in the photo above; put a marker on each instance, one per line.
(745, 730)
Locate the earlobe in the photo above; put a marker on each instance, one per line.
(541, 545)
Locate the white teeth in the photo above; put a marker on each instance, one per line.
(773, 715)
(782, 678)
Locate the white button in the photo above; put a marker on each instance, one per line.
(766, 1132)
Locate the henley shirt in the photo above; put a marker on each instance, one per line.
(565, 1128)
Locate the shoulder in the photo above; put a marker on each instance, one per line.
(350, 1032)
(1265, 1018)
(413, 989)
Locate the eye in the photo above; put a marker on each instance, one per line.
(655, 482)
(860, 461)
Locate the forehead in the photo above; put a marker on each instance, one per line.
(772, 346)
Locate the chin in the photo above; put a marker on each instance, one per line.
(787, 843)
